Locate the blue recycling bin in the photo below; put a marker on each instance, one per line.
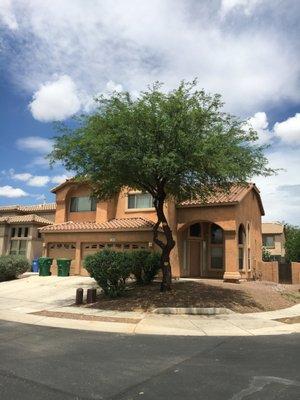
(35, 265)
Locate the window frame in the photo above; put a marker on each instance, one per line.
(265, 236)
(93, 204)
(135, 208)
(18, 250)
(216, 245)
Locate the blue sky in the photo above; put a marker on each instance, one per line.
(56, 56)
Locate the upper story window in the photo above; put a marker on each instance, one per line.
(21, 231)
(85, 203)
(269, 241)
(140, 200)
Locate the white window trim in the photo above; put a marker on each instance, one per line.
(135, 210)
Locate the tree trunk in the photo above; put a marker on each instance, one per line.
(166, 247)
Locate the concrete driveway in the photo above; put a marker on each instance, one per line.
(34, 293)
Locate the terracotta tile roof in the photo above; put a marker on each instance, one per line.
(29, 218)
(235, 194)
(30, 208)
(123, 224)
(272, 227)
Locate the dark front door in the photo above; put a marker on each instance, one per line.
(195, 258)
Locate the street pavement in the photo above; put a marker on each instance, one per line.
(39, 362)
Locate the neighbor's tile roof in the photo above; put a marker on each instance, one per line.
(29, 218)
(112, 225)
(233, 196)
(30, 208)
(272, 227)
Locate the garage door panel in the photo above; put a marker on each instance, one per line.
(62, 250)
(92, 248)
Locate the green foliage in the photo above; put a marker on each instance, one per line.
(12, 266)
(180, 142)
(292, 243)
(110, 269)
(144, 266)
(266, 255)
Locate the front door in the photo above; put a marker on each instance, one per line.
(195, 258)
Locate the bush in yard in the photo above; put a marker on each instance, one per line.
(110, 269)
(145, 266)
(12, 266)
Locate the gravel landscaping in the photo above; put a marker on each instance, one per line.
(244, 297)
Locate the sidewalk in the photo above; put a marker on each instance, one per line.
(27, 301)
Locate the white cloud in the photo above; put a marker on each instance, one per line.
(38, 181)
(7, 16)
(247, 6)
(10, 192)
(24, 177)
(56, 100)
(259, 122)
(35, 143)
(58, 179)
(138, 42)
(289, 130)
(280, 204)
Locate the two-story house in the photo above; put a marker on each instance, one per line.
(274, 239)
(219, 239)
(19, 225)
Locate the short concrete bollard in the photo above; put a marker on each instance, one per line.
(79, 296)
(91, 296)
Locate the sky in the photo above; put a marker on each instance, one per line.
(57, 55)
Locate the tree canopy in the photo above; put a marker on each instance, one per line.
(177, 144)
(292, 243)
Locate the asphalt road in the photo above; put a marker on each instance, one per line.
(50, 363)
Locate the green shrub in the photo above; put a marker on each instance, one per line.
(110, 269)
(12, 266)
(145, 266)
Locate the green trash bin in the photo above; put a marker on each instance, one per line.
(45, 265)
(63, 266)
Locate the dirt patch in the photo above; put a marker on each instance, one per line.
(244, 297)
(85, 317)
(289, 320)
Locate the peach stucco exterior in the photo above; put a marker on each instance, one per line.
(229, 216)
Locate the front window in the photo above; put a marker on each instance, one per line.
(217, 257)
(140, 200)
(217, 250)
(269, 241)
(18, 247)
(85, 203)
(216, 234)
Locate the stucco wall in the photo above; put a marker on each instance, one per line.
(296, 273)
(268, 271)
(249, 214)
(278, 249)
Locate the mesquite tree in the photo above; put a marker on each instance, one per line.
(174, 145)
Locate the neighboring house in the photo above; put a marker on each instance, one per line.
(219, 239)
(273, 239)
(19, 228)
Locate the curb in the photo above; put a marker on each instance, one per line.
(193, 311)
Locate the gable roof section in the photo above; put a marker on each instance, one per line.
(122, 224)
(31, 208)
(272, 228)
(233, 197)
(25, 219)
